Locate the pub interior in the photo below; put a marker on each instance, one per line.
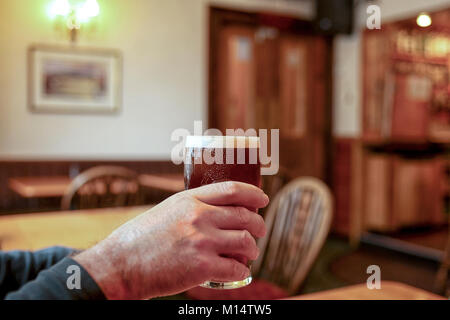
(93, 94)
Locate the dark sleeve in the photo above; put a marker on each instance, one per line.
(58, 283)
(20, 267)
(43, 275)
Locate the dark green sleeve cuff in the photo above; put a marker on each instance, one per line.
(66, 280)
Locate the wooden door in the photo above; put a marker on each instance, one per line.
(236, 81)
(273, 72)
(302, 117)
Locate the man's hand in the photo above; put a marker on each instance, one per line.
(180, 243)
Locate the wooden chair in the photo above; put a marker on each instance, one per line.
(102, 186)
(298, 221)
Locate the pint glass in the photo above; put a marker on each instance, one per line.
(211, 159)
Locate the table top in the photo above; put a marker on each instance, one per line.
(55, 186)
(39, 187)
(77, 229)
(390, 290)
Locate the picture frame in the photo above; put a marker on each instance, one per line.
(74, 80)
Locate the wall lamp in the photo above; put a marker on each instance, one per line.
(73, 13)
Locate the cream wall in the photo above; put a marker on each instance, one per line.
(163, 43)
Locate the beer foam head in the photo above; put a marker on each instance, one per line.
(222, 142)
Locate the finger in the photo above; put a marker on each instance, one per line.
(231, 193)
(238, 218)
(228, 269)
(236, 243)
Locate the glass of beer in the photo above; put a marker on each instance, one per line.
(211, 159)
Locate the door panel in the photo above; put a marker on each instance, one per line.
(293, 87)
(267, 77)
(236, 79)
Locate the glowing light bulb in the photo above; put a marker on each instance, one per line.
(423, 20)
(88, 10)
(59, 8)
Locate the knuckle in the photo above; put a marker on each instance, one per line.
(243, 216)
(202, 243)
(183, 200)
(183, 196)
(246, 239)
(198, 214)
(230, 188)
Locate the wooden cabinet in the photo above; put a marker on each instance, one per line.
(386, 191)
(417, 197)
(402, 192)
(377, 192)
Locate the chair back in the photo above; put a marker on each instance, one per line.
(298, 221)
(101, 187)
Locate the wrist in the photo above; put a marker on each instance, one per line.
(103, 265)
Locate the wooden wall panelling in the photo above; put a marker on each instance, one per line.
(357, 191)
(417, 196)
(342, 176)
(406, 197)
(348, 188)
(321, 99)
(377, 192)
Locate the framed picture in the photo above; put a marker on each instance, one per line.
(74, 80)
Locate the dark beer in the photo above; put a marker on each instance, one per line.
(212, 159)
(198, 171)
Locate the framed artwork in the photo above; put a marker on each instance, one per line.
(74, 80)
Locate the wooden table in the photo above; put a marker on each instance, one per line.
(44, 187)
(39, 187)
(390, 290)
(77, 229)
